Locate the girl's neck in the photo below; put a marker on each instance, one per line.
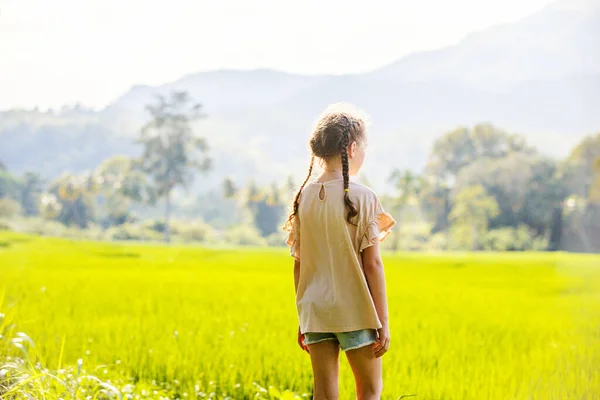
(331, 174)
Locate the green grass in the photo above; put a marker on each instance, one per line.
(199, 321)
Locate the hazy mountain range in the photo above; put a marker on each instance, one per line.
(539, 76)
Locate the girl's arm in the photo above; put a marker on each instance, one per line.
(296, 275)
(373, 266)
(296, 279)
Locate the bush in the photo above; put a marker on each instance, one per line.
(9, 208)
(131, 232)
(155, 225)
(437, 242)
(513, 239)
(502, 239)
(5, 226)
(244, 235)
(413, 236)
(193, 231)
(276, 239)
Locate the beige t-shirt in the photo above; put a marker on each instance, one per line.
(333, 295)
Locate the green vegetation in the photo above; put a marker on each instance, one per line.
(183, 322)
(481, 189)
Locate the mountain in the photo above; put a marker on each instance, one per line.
(539, 76)
(561, 40)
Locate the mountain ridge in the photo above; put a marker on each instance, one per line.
(259, 120)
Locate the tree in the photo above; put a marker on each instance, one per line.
(76, 194)
(408, 184)
(527, 188)
(172, 152)
(32, 186)
(470, 215)
(121, 184)
(266, 207)
(9, 185)
(229, 188)
(9, 208)
(461, 147)
(594, 193)
(50, 206)
(581, 163)
(406, 205)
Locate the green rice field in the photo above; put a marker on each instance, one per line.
(171, 322)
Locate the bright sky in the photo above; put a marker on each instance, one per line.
(91, 51)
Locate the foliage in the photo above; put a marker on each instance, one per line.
(244, 235)
(582, 166)
(131, 231)
(463, 146)
(9, 208)
(76, 194)
(526, 188)
(184, 319)
(513, 239)
(410, 236)
(172, 152)
(470, 215)
(9, 185)
(267, 207)
(121, 184)
(193, 231)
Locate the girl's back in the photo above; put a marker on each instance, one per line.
(333, 295)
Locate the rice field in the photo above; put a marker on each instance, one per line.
(187, 322)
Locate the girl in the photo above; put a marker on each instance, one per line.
(334, 232)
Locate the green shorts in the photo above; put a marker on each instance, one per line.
(346, 340)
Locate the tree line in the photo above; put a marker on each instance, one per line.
(482, 189)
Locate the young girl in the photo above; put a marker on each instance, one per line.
(334, 232)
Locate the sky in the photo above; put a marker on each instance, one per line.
(90, 52)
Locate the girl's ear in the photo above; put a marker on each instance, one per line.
(352, 149)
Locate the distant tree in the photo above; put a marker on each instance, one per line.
(409, 185)
(527, 188)
(31, 189)
(580, 165)
(463, 146)
(266, 207)
(9, 185)
(76, 194)
(594, 192)
(587, 151)
(546, 190)
(120, 185)
(9, 208)
(436, 203)
(229, 188)
(50, 206)
(406, 204)
(472, 210)
(172, 152)
(2, 166)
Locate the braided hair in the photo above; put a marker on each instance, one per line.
(334, 133)
(344, 143)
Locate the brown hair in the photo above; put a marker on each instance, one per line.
(332, 136)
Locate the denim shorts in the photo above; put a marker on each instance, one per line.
(346, 340)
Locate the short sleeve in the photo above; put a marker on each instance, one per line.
(377, 225)
(293, 239)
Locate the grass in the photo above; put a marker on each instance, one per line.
(186, 322)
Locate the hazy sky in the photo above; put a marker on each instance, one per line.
(92, 51)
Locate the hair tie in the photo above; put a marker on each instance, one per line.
(346, 190)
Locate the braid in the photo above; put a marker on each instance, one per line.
(294, 212)
(344, 143)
